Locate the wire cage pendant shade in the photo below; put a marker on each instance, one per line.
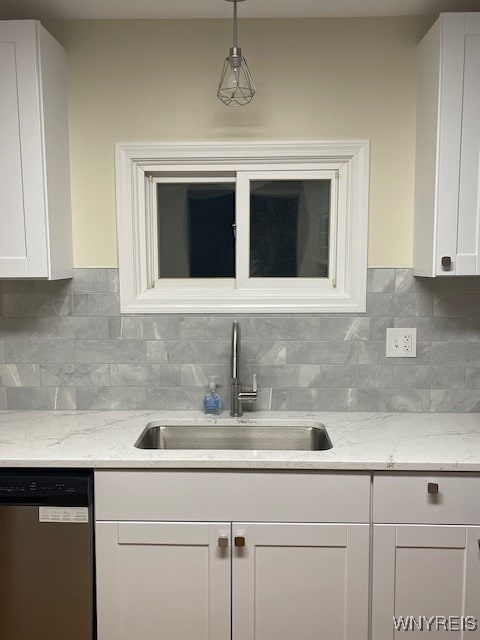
(236, 87)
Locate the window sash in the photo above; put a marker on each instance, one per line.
(242, 280)
(244, 178)
(155, 279)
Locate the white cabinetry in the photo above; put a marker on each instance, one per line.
(305, 581)
(163, 580)
(431, 568)
(447, 171)
(232, 577)
(35, 217)
(425, 571)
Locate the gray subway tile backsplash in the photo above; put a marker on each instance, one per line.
(19, 375)
(39, 351)
(73, 328)
(456, 304)
(109, 351)
(75, 375)
(64, 345)
(173, 398)
(314, 399)
(399, 304)
(96, 304)
(356, 376)
(473, 378)
(404, 400)
(455, 400)
(381, 280)
(264, 352)
(110, 398)
(90, 281)
(42, 398)
(37, 304)
(13, 328)
(145, 375)
(452, 352)
(322, 352)
(429, 377)
(198, 375)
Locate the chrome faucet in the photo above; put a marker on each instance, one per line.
(239, 396)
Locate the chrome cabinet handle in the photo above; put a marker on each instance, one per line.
(239, 541)
(432, 488)
(223, 542)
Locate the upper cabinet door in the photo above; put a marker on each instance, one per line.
(447, 188)
(468, 261)
(35, 217)
(13, 254)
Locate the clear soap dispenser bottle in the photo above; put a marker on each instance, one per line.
(212, 402)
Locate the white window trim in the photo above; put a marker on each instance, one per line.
(134, 164)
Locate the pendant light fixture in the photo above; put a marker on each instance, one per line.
(236, 87)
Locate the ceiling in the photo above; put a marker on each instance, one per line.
(124, 9)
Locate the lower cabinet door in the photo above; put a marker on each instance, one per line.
(302, 581)
(426, 577)
(168, 581)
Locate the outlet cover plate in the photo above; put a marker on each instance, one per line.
(401, 343)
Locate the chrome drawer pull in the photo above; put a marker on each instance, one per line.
(432, 488)
(223, 542)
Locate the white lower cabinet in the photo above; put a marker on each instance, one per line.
(282, 556)
(164, 580)
(287, 555)
(422, 572)
(302, 581)
(426, 555)
(246, 581)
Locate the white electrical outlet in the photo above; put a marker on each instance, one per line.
(401, 343)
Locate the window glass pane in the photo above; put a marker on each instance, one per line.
(289, 228)
(196, 230)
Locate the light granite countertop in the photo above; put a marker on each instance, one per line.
(361, 441)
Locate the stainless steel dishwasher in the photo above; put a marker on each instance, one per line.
(46, 555)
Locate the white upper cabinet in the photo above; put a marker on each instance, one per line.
(447, 171)
(35, 212)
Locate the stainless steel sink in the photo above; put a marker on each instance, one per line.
(273, 437)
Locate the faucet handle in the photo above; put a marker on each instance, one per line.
(250, 395)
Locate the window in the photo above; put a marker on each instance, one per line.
(246, 227)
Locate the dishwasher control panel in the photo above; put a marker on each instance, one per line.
(46, 487)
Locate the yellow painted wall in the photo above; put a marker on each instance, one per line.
(156, 81)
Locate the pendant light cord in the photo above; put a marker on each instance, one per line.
(235, 23)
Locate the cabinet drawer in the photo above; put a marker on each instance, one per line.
(429, 499)
(232, 495)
